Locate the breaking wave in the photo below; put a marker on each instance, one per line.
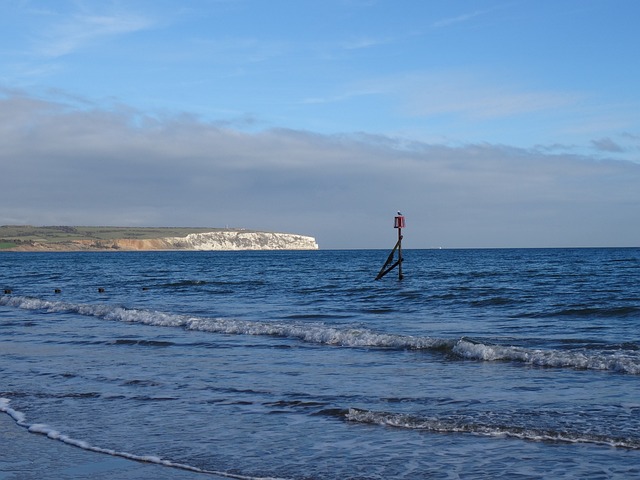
(621, 360)
(437, 425)
(53, 434)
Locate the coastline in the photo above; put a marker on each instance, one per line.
(28, 455)
(101, 239)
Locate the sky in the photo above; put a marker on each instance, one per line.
(488, 123)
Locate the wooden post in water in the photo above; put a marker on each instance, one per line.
(399, 224)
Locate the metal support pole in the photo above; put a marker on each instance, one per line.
(389, 265)
(400, 275)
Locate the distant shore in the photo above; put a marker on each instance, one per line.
(21, 238)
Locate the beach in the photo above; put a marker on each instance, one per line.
(31, 456)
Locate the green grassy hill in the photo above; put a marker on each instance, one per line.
(14, 235)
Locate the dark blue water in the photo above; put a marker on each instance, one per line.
(479, 364)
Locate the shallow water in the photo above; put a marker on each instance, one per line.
(480, 363)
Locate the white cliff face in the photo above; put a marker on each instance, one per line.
(232, 240)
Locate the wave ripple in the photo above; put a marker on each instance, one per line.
(621, 360)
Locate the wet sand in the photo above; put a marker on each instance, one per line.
(26, 456)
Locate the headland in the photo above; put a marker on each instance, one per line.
(26, 238)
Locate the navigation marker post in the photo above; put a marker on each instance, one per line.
(399, 224)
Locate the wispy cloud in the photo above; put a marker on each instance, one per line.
(470, 95)
(466, 17)
(606, 145)
(485, 102)
(239, 50)
(342, 97)
(631, 136)
(83, 29)
(446, 22)
(365, 42)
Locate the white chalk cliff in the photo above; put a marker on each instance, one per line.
(216, 240)
(241, 240)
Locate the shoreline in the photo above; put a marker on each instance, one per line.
(27, 455)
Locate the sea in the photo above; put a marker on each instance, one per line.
(479, 363)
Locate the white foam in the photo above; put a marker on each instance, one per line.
(49, 432)
(16, 415)
(309, 333)
(620, 361)
(455, 426)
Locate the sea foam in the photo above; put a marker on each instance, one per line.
(43, 429)
(450, 425)
(620, 361)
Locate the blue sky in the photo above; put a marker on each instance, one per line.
(490, 123)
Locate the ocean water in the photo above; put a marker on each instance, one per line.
(518, 363)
